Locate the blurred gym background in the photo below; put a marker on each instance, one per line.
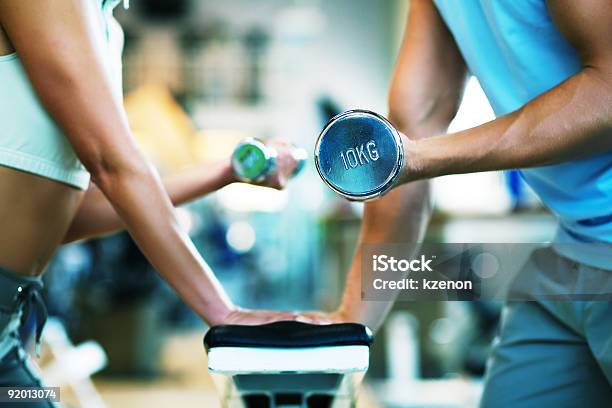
(201, 75)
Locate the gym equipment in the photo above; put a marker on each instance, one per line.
(359, 155)
(288, 364)
(253, 160)
(72, 365)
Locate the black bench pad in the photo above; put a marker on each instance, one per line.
(288, 334)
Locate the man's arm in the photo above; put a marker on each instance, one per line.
(571, 121)
(424, 96)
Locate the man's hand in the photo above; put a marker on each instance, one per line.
(318, 317)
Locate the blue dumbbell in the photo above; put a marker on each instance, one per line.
(359, 155)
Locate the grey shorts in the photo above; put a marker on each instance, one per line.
(19, 298)
(553, 353)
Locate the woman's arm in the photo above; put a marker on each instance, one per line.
(55, 42)
(96, 215)
(571, 121)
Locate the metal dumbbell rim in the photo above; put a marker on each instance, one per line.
(391, 179)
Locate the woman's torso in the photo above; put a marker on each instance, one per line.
(36, 207)
(35, 213)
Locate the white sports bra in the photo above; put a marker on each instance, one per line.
(30, 140)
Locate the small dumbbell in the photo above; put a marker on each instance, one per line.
(359, 155)
(253, 160)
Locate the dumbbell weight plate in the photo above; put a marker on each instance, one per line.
(359, 155)
(252, 160)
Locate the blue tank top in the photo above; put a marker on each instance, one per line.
(517, 53)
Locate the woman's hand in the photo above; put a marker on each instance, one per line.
(285, 165)
(255, 317)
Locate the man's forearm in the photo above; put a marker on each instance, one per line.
(424, 96)
(400, 216)
(571, 121)
(96, 215)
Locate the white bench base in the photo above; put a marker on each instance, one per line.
(316, 377)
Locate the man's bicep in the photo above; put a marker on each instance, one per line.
(587, 26)
(429, 73)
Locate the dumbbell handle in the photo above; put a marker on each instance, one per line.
(253, 160)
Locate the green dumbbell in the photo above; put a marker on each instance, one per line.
(253, 160)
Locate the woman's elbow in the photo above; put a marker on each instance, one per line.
(109, 172)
